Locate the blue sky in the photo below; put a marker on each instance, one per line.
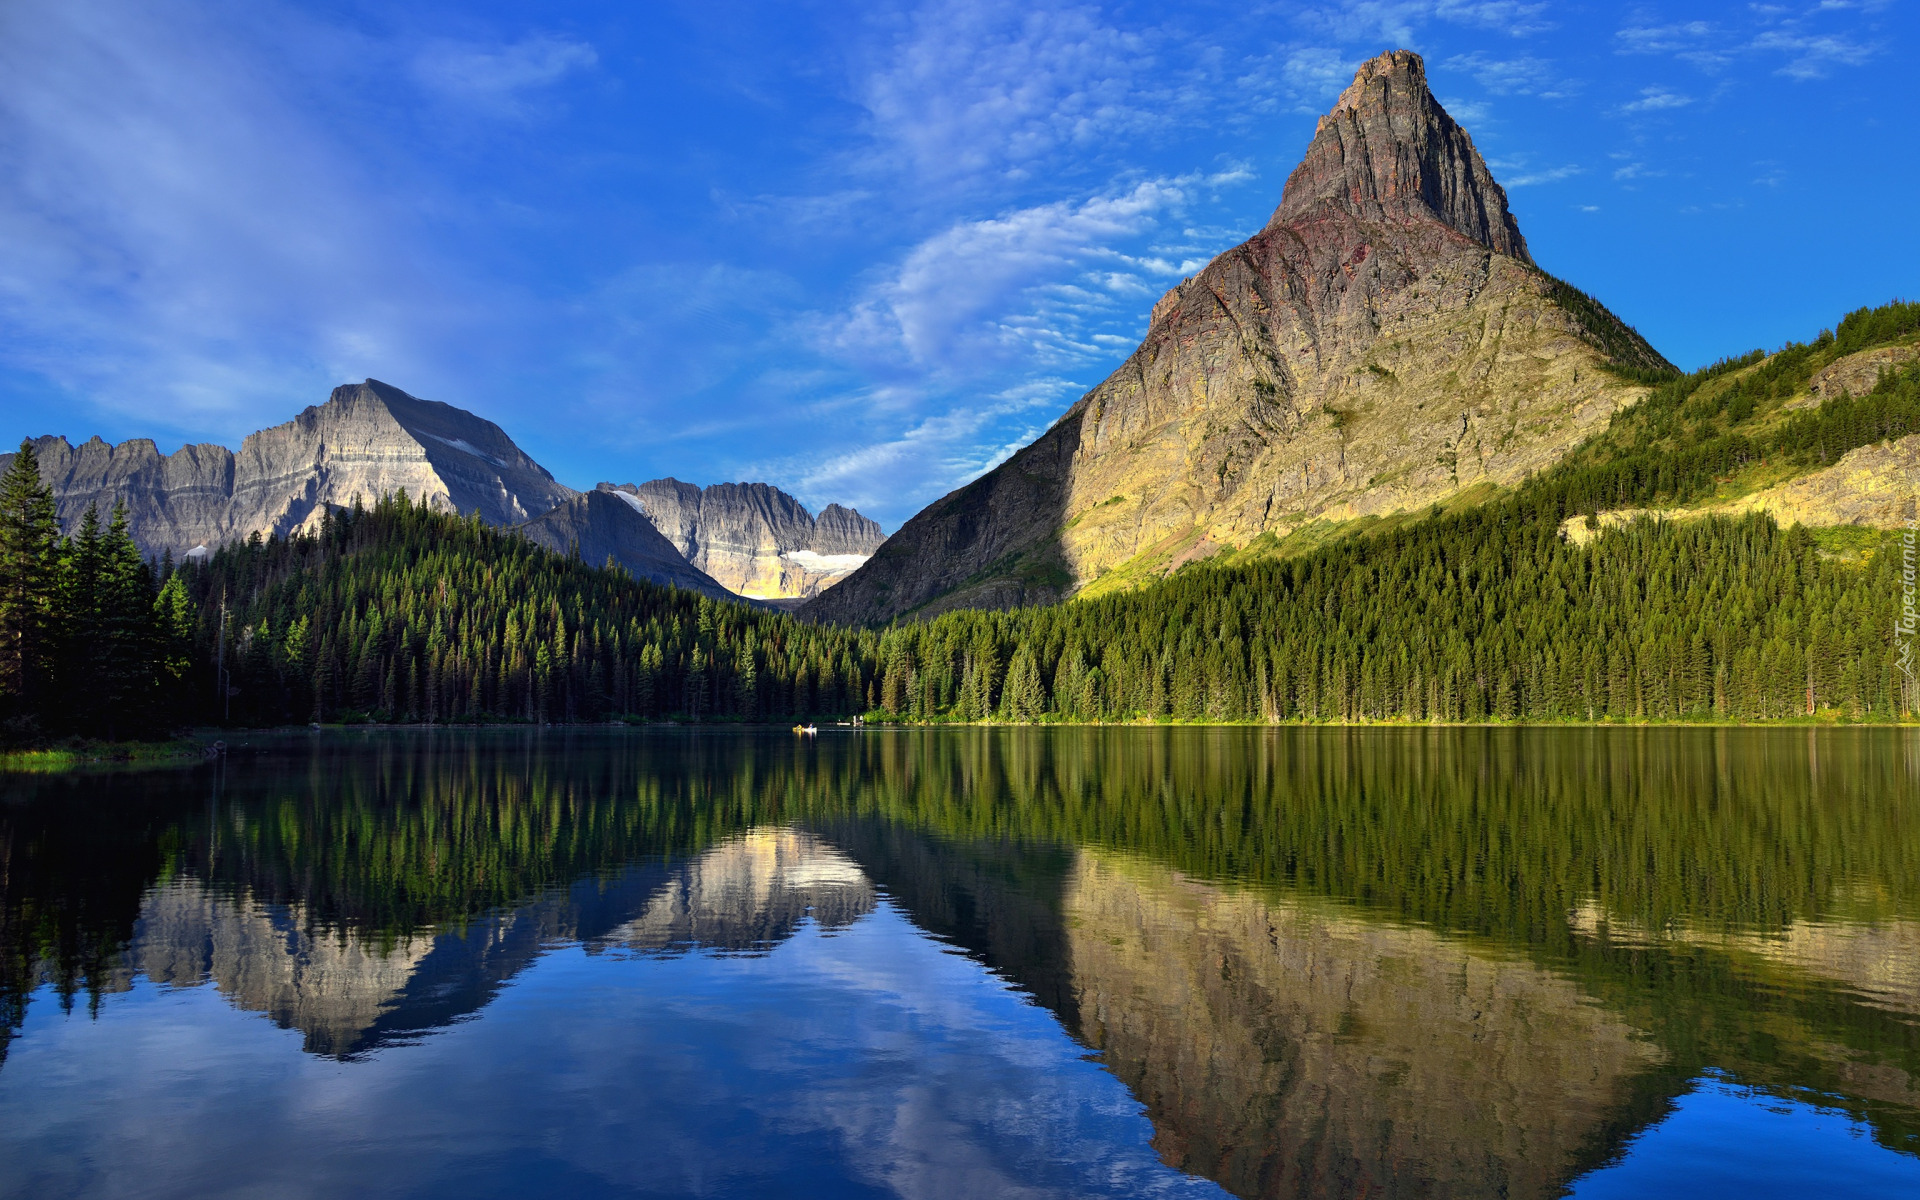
(859, 251)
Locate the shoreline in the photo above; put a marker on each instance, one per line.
(104, 756)
(786, 724)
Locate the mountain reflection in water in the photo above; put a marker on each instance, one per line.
(1326, 963)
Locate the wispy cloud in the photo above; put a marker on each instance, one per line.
(1547, 175)
(1399, 21)
(940, 451)
(981, 290)
(1636, 170)
(1656, 99)
(1524, 76)
(995, 88)
(499, 79)
(1813, 56)
(1767, 32)
(188, 243)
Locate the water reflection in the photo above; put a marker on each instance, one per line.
(749, 894)
(1396, 963)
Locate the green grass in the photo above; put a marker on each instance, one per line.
(78, 755)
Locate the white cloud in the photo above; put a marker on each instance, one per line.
(937, 453)
(1809, 54)
(498, 79)
(1813, 56)
(1398, 21)
(1316, 74)
(1656, 99)
(1546, 175)
(996, 88)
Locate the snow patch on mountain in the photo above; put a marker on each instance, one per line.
(826, 564)
(468, 447)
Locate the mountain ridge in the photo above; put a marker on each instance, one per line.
(371, 439)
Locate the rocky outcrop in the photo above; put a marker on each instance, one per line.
(598, 528)
(1385, 342)
(1855, 374)
(1872, 486)
(367, 440)
(755, 539)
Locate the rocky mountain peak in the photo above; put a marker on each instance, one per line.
(754, 538)
(1388, 151)
(1384, 344)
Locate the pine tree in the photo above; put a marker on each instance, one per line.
(29, 534)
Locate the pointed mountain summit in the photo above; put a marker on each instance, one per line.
(1385, 343)
(1388, 152)
(368, 439)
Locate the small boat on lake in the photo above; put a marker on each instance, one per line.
(807, 729)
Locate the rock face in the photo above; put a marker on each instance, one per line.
(1386, 341)
(753, 538)
(368, 439)
(599, 526)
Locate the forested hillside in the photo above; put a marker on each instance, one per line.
(400, 613)
(406, 614)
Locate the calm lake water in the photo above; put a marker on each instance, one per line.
(955, 963)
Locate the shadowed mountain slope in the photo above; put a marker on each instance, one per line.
(598, 526)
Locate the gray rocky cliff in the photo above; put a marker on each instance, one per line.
(755, 539)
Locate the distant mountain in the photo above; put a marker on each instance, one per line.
(753, 538)
(367, 440)
(599, 526)
(1385, 342)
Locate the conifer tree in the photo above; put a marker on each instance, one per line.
(28, 545)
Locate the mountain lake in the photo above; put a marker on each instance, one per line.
(970, 962)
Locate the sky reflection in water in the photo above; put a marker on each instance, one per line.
(1305, 964)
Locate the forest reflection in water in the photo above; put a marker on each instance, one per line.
(1324, 962)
